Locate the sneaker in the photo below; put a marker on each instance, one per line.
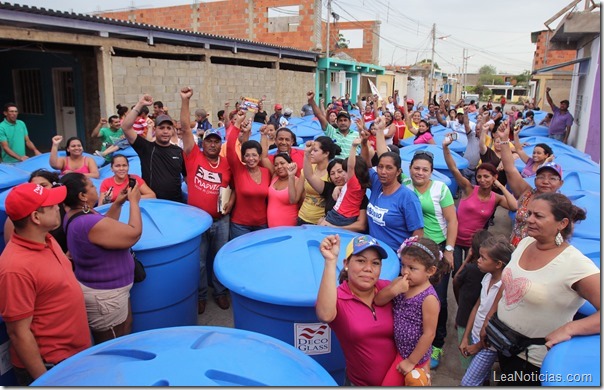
(437, 354)
(98, 153)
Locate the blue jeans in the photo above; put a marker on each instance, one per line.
(239, 230)
(211, 241)
(557, 137)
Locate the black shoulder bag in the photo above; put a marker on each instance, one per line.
(139, 269)
(506, 340)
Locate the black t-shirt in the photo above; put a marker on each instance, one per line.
(470, 278)
(260, 117)
(161, 168)
(330, 201)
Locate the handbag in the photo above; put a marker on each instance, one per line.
(139, 269)
(506, 340)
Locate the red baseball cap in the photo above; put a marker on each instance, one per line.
(410, 101)
(26, 198)
(278, 107)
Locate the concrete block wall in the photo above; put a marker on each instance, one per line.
(214, 84)
(545, 57)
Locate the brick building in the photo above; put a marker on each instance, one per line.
(546, 55)
(290, 23)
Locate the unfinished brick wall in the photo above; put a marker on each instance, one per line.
(369, 53)
(544, 56)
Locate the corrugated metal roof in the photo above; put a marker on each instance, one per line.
(16, 14)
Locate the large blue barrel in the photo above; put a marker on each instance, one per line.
(575, 362)
(590, 248)
(530, 131)
(42, 161)
(439, 160)
(570, 162)
(590, 227)
(7, 374)
(557, 146)
(274, 277)
(10, 176)
(307, 130)
(189, 356)
(458, 146)
(169, 250)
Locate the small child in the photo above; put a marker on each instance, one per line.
(347, 208)
(415, 307)
(495, 253)
(466, 287)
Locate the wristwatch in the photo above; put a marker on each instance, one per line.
(449, 248)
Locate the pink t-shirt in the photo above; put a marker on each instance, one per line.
(366, 336)
(423, 138)
(279, 211)
(475, 214)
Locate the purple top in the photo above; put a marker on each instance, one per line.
(408, 323)
(97, 267)
(528, 168)
(560, 121)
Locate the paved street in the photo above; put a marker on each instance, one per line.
(449, 373)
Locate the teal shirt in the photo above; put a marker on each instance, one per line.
(15, 135)
(343, 141)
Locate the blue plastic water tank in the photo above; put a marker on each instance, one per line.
(590, 227)
(578, 358)
(590, 248)
(458, 146)
(306, 130)
(42, 161)
(189, 356)
(169, 250)
(439, 160)
(557, 146)
(9, 177)
(274, 276)
(531, 131)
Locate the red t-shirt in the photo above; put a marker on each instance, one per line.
(349, 201)
(399, 134)
(36, 280)
(204, 181)
(369, 117)
(251, 202)
(296, 155)
(117, 188)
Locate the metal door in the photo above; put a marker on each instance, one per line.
(63, 85)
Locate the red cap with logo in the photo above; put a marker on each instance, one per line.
(26, 198)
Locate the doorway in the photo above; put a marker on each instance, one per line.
(65, 111)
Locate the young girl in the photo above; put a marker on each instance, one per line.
(466, 287)
(424, 135)
(415, 307)
(495, 253)
(348, 206)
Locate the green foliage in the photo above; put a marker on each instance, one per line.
(342, 42)
(428, 61)
(487, 70)
(523, 78)
(488, 79)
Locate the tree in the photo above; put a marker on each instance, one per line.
(523, 77)
(428, 61)
(487, 70)
(342, 42)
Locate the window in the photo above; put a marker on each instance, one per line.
(283, 19)
(28, 91)
(353, 38)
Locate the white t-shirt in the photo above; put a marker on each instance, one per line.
(535, 303)
(487, 296)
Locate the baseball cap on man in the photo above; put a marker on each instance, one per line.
(343, 113)
(26, 198)
(163, 118)
(552, 166)
(278, 107)
(410, 101)
(212, 132)
(360, 243)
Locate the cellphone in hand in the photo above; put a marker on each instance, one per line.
(453, 136)
(131, 182)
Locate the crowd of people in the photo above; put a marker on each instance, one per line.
(247, 185)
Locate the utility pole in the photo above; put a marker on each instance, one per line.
(463, 67)
(432, 63)
(328, 15)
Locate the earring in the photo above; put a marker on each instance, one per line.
(559, 240)
(346, 269)
(86, 208)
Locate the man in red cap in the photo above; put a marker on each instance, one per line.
(275, 118)
(41, 301)
(410, 104)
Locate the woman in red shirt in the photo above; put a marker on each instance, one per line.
(112, 186)
(251, 180)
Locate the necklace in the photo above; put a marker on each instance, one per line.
(217, 163)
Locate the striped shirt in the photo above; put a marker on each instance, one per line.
(343, 141)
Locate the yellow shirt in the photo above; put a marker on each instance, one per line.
(313, 207)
